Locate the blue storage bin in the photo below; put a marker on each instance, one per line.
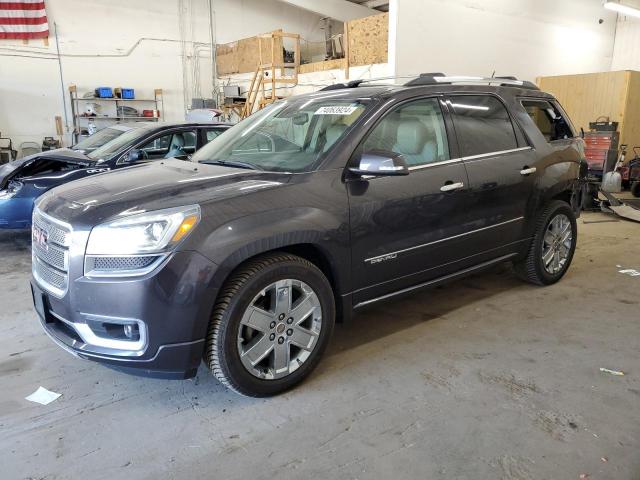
(104, 92)
(128, 93)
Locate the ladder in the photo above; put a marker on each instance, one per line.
(274, 74)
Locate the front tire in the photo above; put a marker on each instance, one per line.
(270, 325)
(552, 247)
(635, 189)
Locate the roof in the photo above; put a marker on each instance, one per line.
(431, 83)
(165, 125)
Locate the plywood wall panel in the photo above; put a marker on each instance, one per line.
(611, 94)
(368, 40)
(586, 97)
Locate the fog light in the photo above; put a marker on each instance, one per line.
(128, 331)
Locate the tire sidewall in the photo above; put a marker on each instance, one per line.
(549, 214)
(229, 354)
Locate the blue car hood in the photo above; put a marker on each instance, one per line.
(63, 154)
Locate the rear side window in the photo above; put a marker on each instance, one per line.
(550, 120)
(482, 125)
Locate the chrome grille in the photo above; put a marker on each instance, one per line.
(49, 276)
(50, 262)
(57, 234)
(54, 256)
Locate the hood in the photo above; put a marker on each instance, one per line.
(65, 155)
(154, 186)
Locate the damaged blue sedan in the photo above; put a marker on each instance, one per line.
(25, 179)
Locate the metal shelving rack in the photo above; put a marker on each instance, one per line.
(80, 120)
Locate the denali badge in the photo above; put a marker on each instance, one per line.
(384, 258)
(40, 238)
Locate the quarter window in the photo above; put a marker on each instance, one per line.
(416, 130)
(482, 125)
(549, 120)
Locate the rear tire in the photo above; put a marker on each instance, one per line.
(552, 247)
(270, 325)
(635, 189)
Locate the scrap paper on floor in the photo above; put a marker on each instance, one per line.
(43, 396)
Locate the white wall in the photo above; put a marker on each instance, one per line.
(626, 53)
(101, 46)
(526, 38)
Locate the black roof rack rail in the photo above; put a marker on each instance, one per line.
(439, 78)
(338, 86)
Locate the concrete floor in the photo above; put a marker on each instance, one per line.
(488, 378)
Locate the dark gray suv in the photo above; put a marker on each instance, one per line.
(304, 212)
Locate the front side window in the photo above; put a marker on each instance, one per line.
(211, 134)
(482, 124)
(176, 144)
(288, 136)
(550, 121)
(415, 129)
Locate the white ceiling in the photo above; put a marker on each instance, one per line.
(382, 5)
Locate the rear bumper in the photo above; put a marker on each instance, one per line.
(171, 306)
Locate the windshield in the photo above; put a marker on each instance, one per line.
(99, 138)
(288, 136)
(117, 145)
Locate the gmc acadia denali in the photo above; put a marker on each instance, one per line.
(307, 210)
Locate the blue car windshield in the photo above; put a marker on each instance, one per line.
(117, 145)
(287, 136)
(100, 138)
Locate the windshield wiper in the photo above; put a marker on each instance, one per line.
(232, 163)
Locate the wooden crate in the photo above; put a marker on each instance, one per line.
(588, 96)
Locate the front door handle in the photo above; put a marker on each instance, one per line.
(449, 187)
(528, 171)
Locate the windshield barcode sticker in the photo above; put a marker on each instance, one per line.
(336, 110)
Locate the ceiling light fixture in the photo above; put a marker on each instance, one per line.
(622, 9)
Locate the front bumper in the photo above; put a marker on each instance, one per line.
(15, 212)
(172, 306)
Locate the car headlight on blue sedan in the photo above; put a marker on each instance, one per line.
(12, 189)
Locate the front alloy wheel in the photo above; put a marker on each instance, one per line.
(270, 325)
(279, 329)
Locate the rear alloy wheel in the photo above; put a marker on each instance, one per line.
(556, 244)
(270, 325)
(552, 247)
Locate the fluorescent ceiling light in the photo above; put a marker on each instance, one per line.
(622, 9)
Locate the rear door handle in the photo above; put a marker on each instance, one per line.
(528, 171)
(449, 187)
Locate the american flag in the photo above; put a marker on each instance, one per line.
(23, 19)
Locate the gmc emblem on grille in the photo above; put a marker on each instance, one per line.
(40, 238)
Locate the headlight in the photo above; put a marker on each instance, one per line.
(150, 232)
(13, 188)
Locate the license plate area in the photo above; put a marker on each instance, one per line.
(41, 305)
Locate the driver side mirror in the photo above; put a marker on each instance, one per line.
(135, 155)
(380, 163)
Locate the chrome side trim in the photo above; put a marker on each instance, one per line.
(437, 280)
(376, 259)
(469, 158)
(495, 154)
(435, 164)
